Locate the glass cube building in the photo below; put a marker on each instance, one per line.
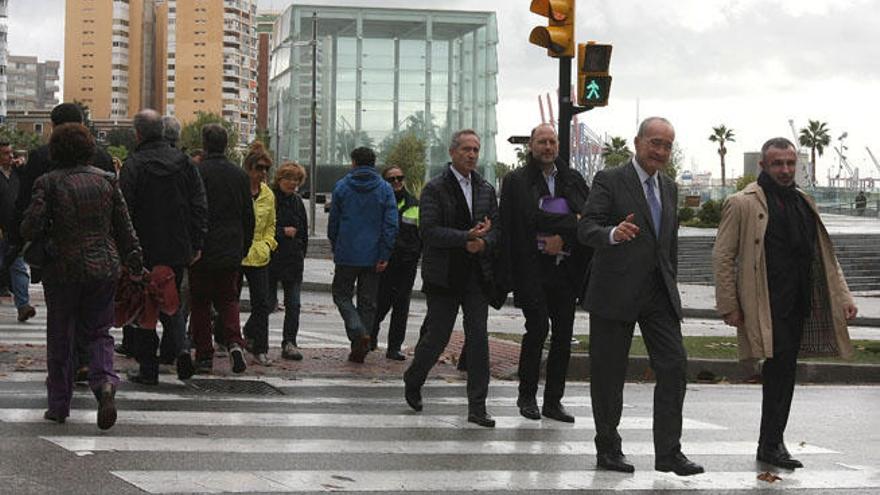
(381, 73)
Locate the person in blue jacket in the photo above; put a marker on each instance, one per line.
(361, 229)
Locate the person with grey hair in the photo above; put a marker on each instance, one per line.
(457, 218)
(631, 222)
(171, 130)
(792, 299)
(168, 208)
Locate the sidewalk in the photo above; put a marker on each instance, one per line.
(698, 301)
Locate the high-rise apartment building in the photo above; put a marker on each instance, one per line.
(107, 53)
(180, 57)
(3, 54)
(210, 53)
(265, 26)
(31, 84)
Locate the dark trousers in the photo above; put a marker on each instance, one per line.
(256, 328)
(71, 310)
(778, 376)
(553, 312)
(146, 340)
(395, 291)
(435, 333)
(356, 318)
(220, 289)
(609, 354)
(292, 307)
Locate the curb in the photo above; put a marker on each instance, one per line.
(715, 370)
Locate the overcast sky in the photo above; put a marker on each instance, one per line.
(749, 64)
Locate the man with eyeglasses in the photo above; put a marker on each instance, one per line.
(396, 282)
(544, 265)
(631, 222)
(361, 228)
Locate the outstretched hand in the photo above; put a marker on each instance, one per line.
(626, 230)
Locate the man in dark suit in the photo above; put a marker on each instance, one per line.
(458, 211)
(631, 221)
(544, 265)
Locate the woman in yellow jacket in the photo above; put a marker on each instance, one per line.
(255, 267)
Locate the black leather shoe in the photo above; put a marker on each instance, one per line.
(122, 350)
(185, 368)
(557, 412)
(51, 416)
(614, 461)
(778, 456)
(678, 464)
(484, 419)
(529, 410)
(395, 355)
(135, 377)
(413, 396)
(106, 406)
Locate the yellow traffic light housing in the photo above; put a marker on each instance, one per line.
(594, 82)
(558, 37)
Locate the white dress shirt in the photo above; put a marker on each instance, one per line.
(466, 188)
(643, 177)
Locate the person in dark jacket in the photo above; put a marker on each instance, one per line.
(361, 229)
(39, 163)
(90, 236)
(396, 282)
(214, 278)
(458, 212)
(544, 265)
(292, 234)
(13, 266)
(167, 204)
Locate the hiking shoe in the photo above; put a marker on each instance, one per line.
(106, 406)
(290, 351)
(26, 312)
(185, 368)
(236, 359)
(263, 359)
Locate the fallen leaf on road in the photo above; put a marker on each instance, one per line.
(803, 444)
(342, 478)
(769, 477)
(331, 487)
(23, 362)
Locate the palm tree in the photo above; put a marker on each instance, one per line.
(816, 136)
(722, 135)
(616, 152)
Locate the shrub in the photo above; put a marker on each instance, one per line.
(685, 214)
(710, 214)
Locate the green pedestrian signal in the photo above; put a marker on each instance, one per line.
(594, 83)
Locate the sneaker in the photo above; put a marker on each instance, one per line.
(236, 359)
(185, 369)
(290, 351)
(263, 359)
(26, 312)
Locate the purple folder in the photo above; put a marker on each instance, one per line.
(551, 204)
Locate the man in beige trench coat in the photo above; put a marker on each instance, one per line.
(778, 281)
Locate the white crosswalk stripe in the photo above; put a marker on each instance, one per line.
(170, 439)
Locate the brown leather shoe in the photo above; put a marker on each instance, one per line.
(106, 406)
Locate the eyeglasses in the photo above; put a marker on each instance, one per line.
(396, 178)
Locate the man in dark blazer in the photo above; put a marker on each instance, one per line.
(458, 212)
(631, 222)
(544, 265)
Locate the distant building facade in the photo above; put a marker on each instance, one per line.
(31, 84)
(180, 57)
(265, 26)
(4, 31)
(382, 73)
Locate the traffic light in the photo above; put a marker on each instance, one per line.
(594, 83)
(558, 36)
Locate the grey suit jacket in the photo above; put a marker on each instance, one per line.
(620, 273)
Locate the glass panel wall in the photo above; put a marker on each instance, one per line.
(381, 74)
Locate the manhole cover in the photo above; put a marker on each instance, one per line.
(233, 387)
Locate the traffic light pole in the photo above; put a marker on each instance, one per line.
(566, 109)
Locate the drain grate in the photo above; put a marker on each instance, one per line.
(233, 387)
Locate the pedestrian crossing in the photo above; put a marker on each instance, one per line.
(351, 435)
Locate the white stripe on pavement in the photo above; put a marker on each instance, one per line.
(82, 444)
(438, 481)
(324, 420)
